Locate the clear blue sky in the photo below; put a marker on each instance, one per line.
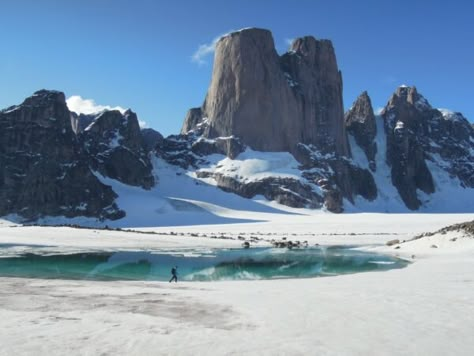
(138, 53)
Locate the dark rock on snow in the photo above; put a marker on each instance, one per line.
(360, 123)
(114, 143)
(43, 168)
(257, 99)
(276, 103)
(405, 117)
(151, 138)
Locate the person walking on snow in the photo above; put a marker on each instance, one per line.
(174, 274)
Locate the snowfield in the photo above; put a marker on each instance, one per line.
(423, 309)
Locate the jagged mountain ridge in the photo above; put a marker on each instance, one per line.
(410, 157)
(50, 161)
(409, 131)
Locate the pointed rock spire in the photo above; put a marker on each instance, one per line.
(360, 123)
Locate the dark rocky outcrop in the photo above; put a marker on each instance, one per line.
(465, 227)
(192, 119)
(286, 191)
(362, 182)
(230, 146)
(405, 118)
(116, 149)
(417, 133)
(151, 138)
(450, 138)
(43, 169)
(79, 122)
(272, 103)
(190, 150)
(176, 150)
(360, 123)
(337, 176)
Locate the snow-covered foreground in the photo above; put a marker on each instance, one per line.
(424, 309)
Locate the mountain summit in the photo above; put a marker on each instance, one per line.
(270, 127)
(272, 102)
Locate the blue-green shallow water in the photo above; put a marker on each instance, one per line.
(219, 264)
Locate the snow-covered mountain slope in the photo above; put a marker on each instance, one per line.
(192, 196)
(179, 199)
(412, 157)
(449, 195)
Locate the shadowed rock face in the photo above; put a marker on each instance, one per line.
(115, 147)
(151, 138)
(193, 117)
(43, 170)
(310, 68)
(272, 103)
(79, 122)
(406, 118)
(360, 123)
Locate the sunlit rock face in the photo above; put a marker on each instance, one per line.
(274, 102)
(278, 103)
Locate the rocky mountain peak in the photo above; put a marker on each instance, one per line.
(408, 99)
(360, 123)
(361, 111)
(315, 51)
(273, 103)
(407, 117)
(305, 46)
(45, 97)
(46, 108)
(151, 138)
(116, 148)
(43, 170)
(249, 36)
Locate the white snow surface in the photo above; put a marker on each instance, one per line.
(423, 309)
(254, 165)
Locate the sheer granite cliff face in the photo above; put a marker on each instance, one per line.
(278, 103)
(273, 103)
